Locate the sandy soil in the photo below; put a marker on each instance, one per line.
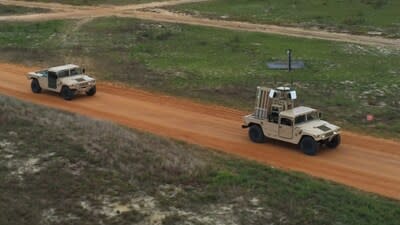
(366, 163)
(142, 11)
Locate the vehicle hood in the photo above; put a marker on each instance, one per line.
(317, 127)
(77, 79)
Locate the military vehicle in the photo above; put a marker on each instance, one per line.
(276, 117)
(68, 80)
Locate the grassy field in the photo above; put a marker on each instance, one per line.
(346, 81)
(11, 10)
(96, 2)
(61, 168)
(357, 16)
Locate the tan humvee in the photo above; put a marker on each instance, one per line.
(68, 80)
(276, 117)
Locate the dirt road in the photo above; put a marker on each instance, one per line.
(141, 11)
(366, 163)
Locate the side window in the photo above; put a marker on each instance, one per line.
(286, 122)
(52, 75)
(273, 117)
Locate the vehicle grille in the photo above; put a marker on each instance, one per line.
(85, 84)
(80, 79)
(329, 134)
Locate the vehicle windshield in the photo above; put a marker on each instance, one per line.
(312, 116)
(71, 72)
(306, 117)
(76, 71)
(64, 73)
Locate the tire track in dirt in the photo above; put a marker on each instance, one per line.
(367, 163)
(139, 11)
(170, 17)
(45, 5)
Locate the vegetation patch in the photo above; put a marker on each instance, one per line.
(346, 81)
(61, 168)
(358, 16)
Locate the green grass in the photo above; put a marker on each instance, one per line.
(346, 81)
(81, 168)
(356, 16)
(96, 2)
(11, 10)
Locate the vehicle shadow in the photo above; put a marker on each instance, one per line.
(295, 147)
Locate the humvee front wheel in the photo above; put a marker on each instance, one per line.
(309, 146)
(92, 91)
(256, 134)
(67, 93)
(35, 86)
(334, 142)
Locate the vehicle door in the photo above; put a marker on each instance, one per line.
(52, 80)
(43, 79)
(285, 127)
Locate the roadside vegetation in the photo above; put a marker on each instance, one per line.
(346, 81)
(357, 16)
(12, 10)
(61, 168)
(96, 2)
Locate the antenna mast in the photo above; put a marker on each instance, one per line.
(289, 53)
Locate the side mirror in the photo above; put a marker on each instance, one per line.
(320, 115)
(83, 70)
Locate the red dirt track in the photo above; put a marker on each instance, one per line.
(366, 163)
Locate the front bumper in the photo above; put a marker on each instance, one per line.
(327, 137)
(83, 89)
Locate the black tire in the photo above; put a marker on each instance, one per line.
(256, 134)
(67, 93)
(334, 142)
(35, 86)
(92, 91)
(309, 146)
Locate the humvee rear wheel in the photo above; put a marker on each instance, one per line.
(35, 86)
(309, 146)
(67, 93)
(92, 91)
(334, 142)
(256, 134)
